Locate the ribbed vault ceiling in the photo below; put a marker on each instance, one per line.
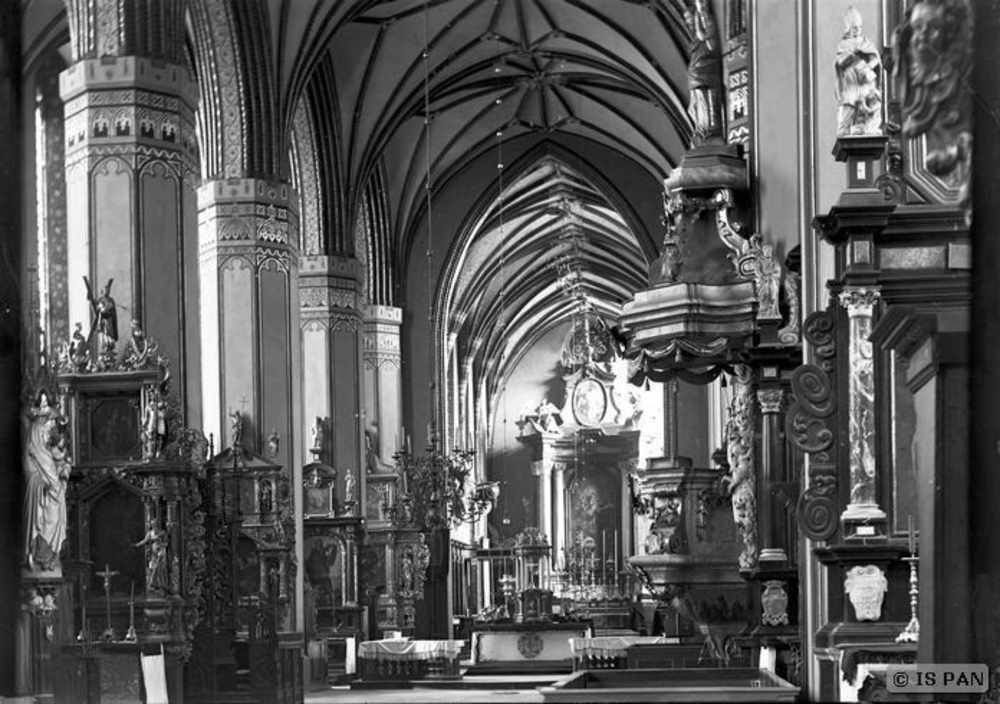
(609, 73)
(612, 72)
(549, 244)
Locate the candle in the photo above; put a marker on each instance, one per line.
(912, 537)
(604, 556)
(616, 549)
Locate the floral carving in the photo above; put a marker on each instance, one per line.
(741, 482)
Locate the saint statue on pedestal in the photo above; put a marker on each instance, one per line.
(47, 468)
(859, 81)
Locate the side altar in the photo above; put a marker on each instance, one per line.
(113, 555)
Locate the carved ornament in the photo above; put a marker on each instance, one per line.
(859, 301)
(790, 333)
(810, 424)
(866, 586)
(741, 482)
(774, 603)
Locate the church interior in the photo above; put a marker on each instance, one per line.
(615, 350)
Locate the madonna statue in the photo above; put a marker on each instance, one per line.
(46, 469)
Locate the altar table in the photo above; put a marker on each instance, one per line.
(608, 652)
(403, 659)
(522, 645)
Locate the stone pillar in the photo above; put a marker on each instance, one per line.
(543, 470)
(558, 538)
(772, 471)
(331, 360)
(863, 506)
(248, 231)
(383, 390)
(131, 165)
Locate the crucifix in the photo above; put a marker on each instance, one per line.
(107, 574)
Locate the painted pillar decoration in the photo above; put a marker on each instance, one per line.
(741, 482)
(736, 72)
(860, 303)
(383, 391)
(248, 232)
(859, 81)
(131, 170)
(330, 316)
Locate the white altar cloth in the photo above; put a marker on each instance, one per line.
(611, 646)
(399, 649)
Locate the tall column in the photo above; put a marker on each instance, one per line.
(331, 359)
(742, 478)
(248, 230)
(558, 538)
(383, 390)
(131, 167)
(543, 470)
(770, 517)
(863, 506)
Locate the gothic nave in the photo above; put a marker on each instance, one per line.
(548, 350)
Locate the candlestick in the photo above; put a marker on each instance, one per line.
(604, 557)
(130, 634)
(911, 634)
(616, 550)
(912, 537)
(84, 635)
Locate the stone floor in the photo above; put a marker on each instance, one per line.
(507, 688)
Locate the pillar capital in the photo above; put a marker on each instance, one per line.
(329, 292)
(770, 400)
(249, 217)
(860, 300)
(381, 342)
(542, 468)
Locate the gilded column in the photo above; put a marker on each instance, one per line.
(383, 391)
(863, 506)
(131, 169)
(771, 521)
(330, 317)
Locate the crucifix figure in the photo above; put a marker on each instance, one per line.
(107, 574)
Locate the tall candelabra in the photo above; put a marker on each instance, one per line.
(911, 634)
